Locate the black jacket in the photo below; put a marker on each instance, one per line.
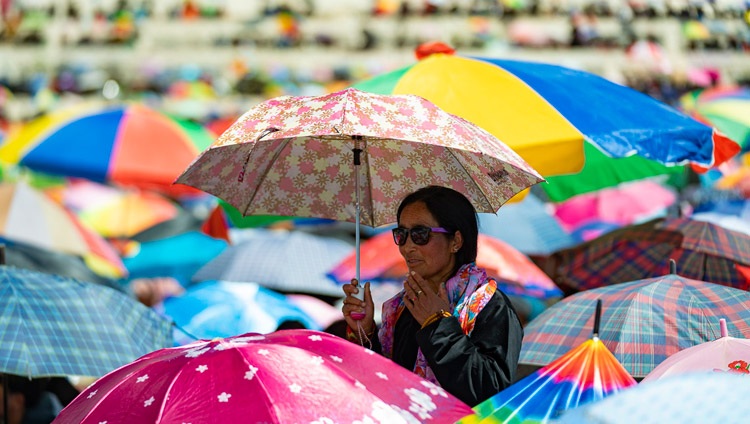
(472, 368)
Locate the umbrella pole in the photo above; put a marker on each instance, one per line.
(357, 162)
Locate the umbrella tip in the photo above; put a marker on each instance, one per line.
(597, 317)
(672, 267)
(432, 47)
(723, 327)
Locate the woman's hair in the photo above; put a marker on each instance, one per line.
(454, 212)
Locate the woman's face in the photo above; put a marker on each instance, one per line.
(435, 260)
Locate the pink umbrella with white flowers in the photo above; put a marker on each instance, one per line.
(289, 376)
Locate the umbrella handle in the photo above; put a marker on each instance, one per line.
(597, 317)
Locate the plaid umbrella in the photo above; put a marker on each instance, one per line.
(55, 326)
(701, 251)
(287, 261)
(643, 322)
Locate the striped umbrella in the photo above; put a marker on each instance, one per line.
(643, 321)
(725, 107)
(701, 251)
(55, 326)
(128, 144)
(585, 374)
(545, 112)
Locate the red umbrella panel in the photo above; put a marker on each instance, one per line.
(380, 260)
(289, 376)
(701, 251)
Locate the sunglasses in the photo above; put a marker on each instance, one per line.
(419, 235)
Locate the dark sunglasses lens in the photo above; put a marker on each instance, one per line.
(400, 235)
(420, 235)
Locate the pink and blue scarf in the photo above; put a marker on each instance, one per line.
(468, 292)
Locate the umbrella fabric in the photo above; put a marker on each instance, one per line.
(643, 322)
(511, 98)
(528, 226)
(516, 273)
(26, 256)
(293, 156)
(725, 354)
(623, 204)
(585, 374)
(56, 326)
(725, 107)
(179, 256)
(701, 250)
(289, 376)
(125, 144)
(114, 212)
(28, 216)
(686, 399)
(286, 261)
(223, 309)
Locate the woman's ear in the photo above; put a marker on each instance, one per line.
(458, 241)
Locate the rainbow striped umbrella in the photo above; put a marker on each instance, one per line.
(545, 112)
(124, 144)
(588, 373)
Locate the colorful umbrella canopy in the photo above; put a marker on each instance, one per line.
(352, 156)
(56, 326)
(685, 399)
(515, 272)
(725, 107)
(727, 354)
(528, 226)
(289, 155)
(114, 212)
(179, 256)
(222, 309)
(701, 250)
(283, 377)
(511, 98)
(286, 261)
(27, 215)
(124, 144)
(623, 204)
(585, 374)
(643, 322)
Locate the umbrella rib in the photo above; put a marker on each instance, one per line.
(263, 176)
(474, 180)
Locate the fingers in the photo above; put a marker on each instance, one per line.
(415, 286)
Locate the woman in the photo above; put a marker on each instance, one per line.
(449, 324)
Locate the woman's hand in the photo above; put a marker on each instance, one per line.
(354, 305)
(421, 299)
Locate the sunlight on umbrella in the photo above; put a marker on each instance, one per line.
(585, 374)
(283, 377)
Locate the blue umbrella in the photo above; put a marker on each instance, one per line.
(177, 256)
(223, 309)
(527, 226)
(286, 261)
(56, 326)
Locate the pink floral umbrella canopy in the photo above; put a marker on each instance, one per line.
(352, 156)
(295, 156)
(290, 376)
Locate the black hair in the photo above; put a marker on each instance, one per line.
(454, 212)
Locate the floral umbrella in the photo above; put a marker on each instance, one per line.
(352, 156)
(289, 376)
(544, 112)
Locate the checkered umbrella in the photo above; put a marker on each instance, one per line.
(642, 322)
(701, 251)
(56, 326)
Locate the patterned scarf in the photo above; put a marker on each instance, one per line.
(468, 292)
